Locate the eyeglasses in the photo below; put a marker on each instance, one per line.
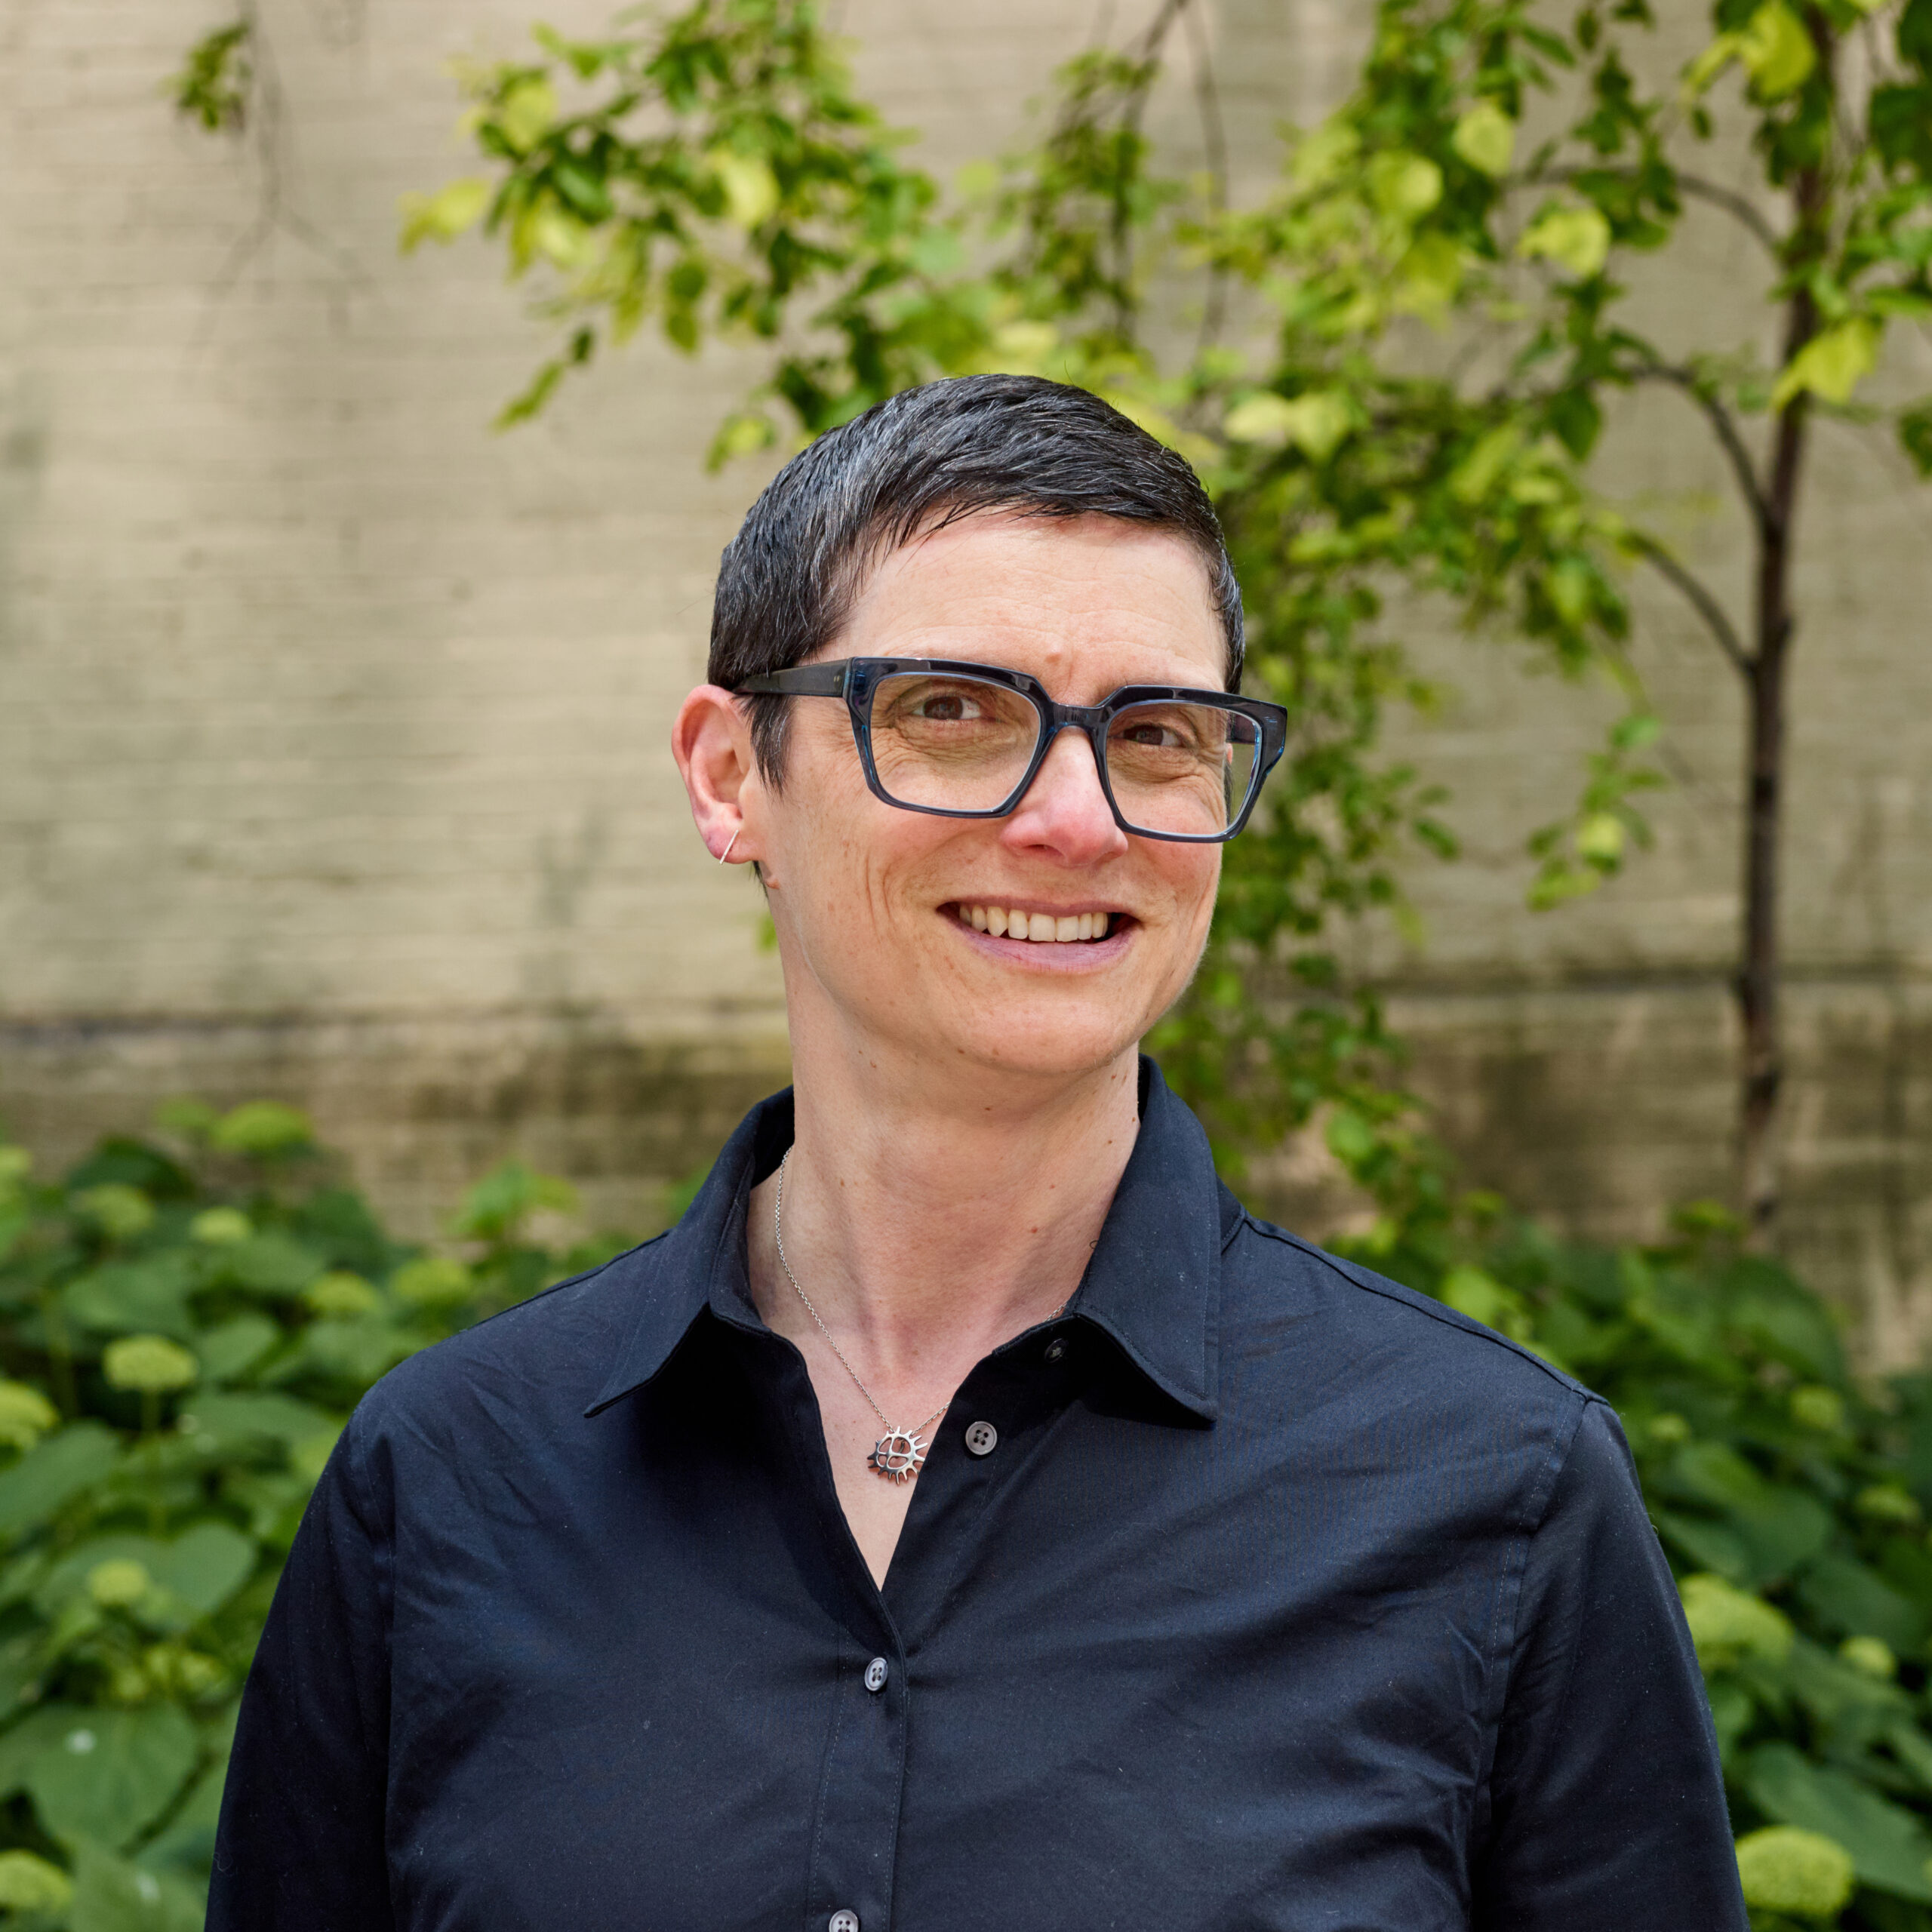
(965, 741)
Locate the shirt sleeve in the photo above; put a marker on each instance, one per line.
(1606, 1801)
(301, 1845)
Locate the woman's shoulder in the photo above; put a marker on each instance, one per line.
(1276, 1284)
(532, 1364)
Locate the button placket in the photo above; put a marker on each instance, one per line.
(856, 1829)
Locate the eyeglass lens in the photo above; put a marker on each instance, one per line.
(958, 744)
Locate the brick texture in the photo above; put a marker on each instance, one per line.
(332, 725)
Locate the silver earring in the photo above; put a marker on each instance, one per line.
(727, 853)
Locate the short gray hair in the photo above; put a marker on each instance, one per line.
(917, 462)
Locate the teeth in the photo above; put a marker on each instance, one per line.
(1042, 926)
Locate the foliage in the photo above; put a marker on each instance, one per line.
(185, 1322)
(715, 172)
(212, 86)
(1792, 1503)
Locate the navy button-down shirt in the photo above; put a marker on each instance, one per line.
(1284, 1598)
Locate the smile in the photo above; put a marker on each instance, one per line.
(1042, 928)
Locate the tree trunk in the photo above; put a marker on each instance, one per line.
(1759, 971)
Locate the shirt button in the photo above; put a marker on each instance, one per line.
(843, 1921)
(876, 1673)
(982, 1438)
(1056, 1349)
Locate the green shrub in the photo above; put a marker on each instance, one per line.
(1792, 1501)
(185, 1323)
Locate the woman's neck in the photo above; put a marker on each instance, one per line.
(930, 1221)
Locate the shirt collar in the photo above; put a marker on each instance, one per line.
(1153, 1285)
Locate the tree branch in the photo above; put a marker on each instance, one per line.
(1697, 188)
(1723, 424)
(1700, 600)
(1694, 187)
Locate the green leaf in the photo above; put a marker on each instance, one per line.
(1851, 1599)
(273, 1264)
(1474, 478)
(1315, 424)
(1832, 364)
(1708, 1544)
(112, 1773)
(750, 189)
(111, 1896)
(239, 1418)
(1836, 1694)
(1780, 1527)
(1429, 276)
(526, 112)
(235, 1347)
(1777, 51)
(149, 1294)
(498, 1207)
(1915, 427)
(53, 1473)
(1783, 1320)
(1403, 186)
(203, 1566)
(188, 1839)
(1728, 1624)
(1575, 239)
(1914, 35)
(444, 215)
(1888, 1846)
(38, 1733)
(1477, 1294)
(1577, 421)
(196, 1573)
(1485, 138)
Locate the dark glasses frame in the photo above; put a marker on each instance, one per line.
(856, 678)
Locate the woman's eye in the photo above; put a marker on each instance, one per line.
(946, 708)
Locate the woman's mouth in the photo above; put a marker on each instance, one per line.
(1040, 928)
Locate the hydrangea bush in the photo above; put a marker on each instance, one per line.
(1791, 1498)
(186, 1319)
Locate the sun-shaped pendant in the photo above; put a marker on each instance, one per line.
(898, 1453)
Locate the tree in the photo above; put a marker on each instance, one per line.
(716, 175)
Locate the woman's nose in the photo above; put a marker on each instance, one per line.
(1065, 811)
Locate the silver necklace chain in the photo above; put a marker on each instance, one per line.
(899, 1453)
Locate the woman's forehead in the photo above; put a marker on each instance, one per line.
(1062, 597)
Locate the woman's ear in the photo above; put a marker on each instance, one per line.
(711, 741)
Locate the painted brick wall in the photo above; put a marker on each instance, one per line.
(332, 726)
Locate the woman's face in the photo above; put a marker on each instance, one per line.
(868, 899)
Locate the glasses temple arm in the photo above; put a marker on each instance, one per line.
(801, 681)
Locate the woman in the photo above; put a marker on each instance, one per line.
(969, 1515)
